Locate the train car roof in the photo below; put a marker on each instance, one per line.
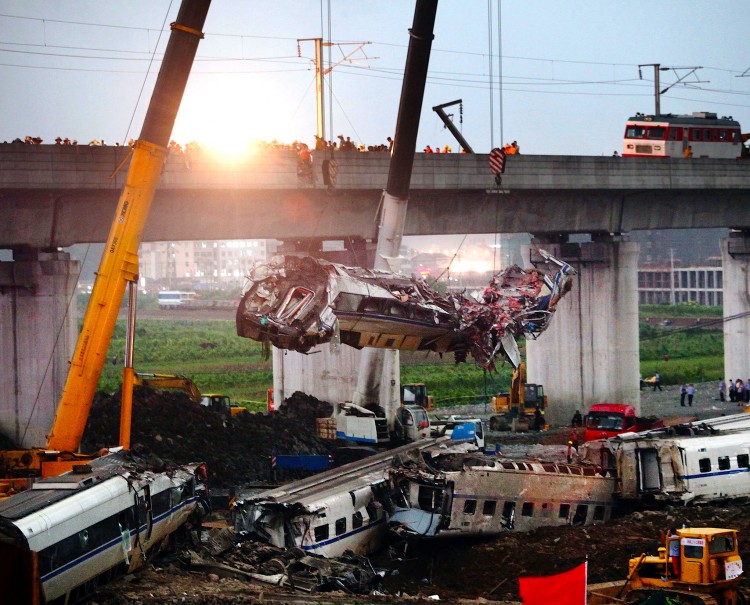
(54, 489)
(703, 118)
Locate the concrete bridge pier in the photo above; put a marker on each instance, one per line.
(735, 259)
(38, 331)
(590, 354)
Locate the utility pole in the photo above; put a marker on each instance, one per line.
(320, 72)
(657, 89)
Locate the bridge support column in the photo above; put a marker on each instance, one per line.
(735, 260)
(590, 353)
(327, 373)
(38, 331)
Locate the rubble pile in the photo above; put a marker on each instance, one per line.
(169, 427)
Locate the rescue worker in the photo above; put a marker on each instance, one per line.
(538, 419)
(577, 419)
(688, 153)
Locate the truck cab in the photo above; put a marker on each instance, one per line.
(460, 428)
(411, 424)
(606, 420)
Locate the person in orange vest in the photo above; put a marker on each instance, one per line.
(428, 149)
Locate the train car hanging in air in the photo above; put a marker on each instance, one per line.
(297, 303)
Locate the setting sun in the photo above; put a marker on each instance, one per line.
(227, 117)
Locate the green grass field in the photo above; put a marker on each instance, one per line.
(217, 360)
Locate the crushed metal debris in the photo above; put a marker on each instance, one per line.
(297, 303)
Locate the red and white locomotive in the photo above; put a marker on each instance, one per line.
(669, 136)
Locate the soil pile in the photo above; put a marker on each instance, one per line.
(169, 427)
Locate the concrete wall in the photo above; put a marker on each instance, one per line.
(38, 329)
(329, 373)
(590, 354)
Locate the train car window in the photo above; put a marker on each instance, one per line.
(635, 132)
(704, 465)
(724, 463)
(599, 511)
(564, 511)
(489, 507)
(160, 502)
(657, 133)
(347, 301)
(743, 460)
(509, 514)
(723, 135)
(429, 497)
(707, 134)
(470, 507)
(695, 134)
(294, 301)
(321, 533)
(357, 520)
(735, 136)
(675, 134)
(692, 552)
(341, 526)
(527, 509)
(582, 511)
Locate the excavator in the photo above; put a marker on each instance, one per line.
(515, 410)
(705, 568)
(117, 269)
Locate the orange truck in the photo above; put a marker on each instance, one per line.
(606, 420)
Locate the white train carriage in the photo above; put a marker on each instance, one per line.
(69, 533)
(708, 465)
(668, 136)
(473, 494)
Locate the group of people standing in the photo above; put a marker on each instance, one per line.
(738, 391)
(687, 392)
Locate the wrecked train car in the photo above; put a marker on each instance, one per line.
(343, 509)
(456, 493)
(698, 462)
(296, 303)
(69, 533)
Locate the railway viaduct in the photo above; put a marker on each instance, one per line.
(55, 196)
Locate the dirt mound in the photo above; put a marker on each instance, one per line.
(168, 426)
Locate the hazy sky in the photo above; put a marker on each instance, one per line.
(570, 73)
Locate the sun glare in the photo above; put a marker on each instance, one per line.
(227, 120)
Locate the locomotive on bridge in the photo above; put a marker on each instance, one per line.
(668, 136)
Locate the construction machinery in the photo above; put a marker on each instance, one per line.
(704, 568)
(118, 267)
(516, 409)
(415, 393)
(222, 404)
(213, 401)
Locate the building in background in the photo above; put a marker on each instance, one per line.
(664, 285)
(210, 265)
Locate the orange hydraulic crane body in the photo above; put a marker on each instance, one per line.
(119, 264)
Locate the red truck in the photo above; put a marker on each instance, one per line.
(606, 420)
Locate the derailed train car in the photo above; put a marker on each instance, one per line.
(455, 493)
(66, 534)
(296, 303)
(698, 462)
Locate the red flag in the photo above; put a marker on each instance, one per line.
(567, 588)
